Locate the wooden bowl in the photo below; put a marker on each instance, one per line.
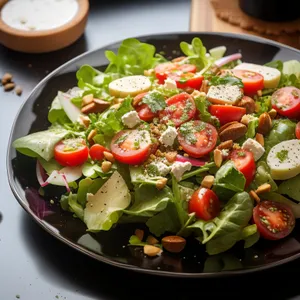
(45, 40)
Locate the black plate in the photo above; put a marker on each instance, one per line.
(109, 247)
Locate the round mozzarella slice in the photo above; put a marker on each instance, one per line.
(129, 86)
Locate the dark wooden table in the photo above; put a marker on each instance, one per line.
(33, 264)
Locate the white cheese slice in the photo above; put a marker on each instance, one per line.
(129, 86)
(271, 75)
(284, 160)
(224, 94)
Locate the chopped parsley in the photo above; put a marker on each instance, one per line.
(227, 79)
(282, 155)
(188, 130)
(155, 101)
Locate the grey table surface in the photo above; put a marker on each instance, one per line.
(33, 264)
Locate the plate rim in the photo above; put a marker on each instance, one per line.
(102, 258)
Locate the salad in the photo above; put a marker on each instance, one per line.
(202, 145)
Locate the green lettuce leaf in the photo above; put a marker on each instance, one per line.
(148, 200)
(133, 58)
(291, 188)
(250, 235)
(57, 113)
(83, 189)
(139, 176)
(221, 233)
(165, 221)
(196, 54)
(104, 208)
(251, 131)
(262, 175)
(42, 143)
(70, 203)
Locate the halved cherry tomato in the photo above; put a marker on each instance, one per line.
(274, 220)
(185, 80)
(180, 108)
(197, 138)
(286, 101)
(227, 113)
(297, 131)
(205, 204)
(132, 147)
(96, 152)
(71, 152)
(143, 109)
(252, 81)
(245, 163)
(163, 70)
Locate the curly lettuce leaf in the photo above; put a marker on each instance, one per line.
(133, 58)
(148, 200)
(42, 143)
(70, 203)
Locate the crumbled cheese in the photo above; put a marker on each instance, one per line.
(162, 168)
(170, 84)
(179, 168)
(131, 119)
(255, 147)
(225, 152)
(168, 136)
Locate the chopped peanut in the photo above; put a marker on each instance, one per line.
(91, 135)
(139, 233)
(272, 113)
(264, 188)
(151, 250)
(151, 240)
(171, 156)
(109, 156)
(161, 183)
(260, 138)
(259, 93)
(226, 145)
(218, 157)
(106, 166)
(87, 99)
(254, 196)
(208, 181)
(7, 77)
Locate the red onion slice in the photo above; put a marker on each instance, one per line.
(227, 59)
(194, 161)
(40, 173)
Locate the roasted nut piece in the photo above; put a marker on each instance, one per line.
(106, 166)
(151, 240)
(218, 157)
(9, 86)
(227, 125)
(247, 103)
(272, 113)
(87, 99)
(151, 250)
(208, 181)
(7, 77)
(18, 90)
(139, 233)
(171, 156)
(254, 196)
(264, 188)
(264, 124)
(109, 156)
(233, 132)
(85, 121)
(204, 87)
(173, 243)
(260, 138)
(91, 135)
(225, 145)
(161, 183)
(97, 106)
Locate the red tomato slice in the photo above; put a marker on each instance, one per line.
(297, 131)
(185, 80)
(252, 81)
(205, 204)
(71, 152)
(227, 113)
(245, 163)
(131, 147)
(163, 70)
(197, 138)
(287, 102)
(96, 152)
(180, 108)
(145, 113)
(274, 220)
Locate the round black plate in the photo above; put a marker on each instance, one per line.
(110, 247)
